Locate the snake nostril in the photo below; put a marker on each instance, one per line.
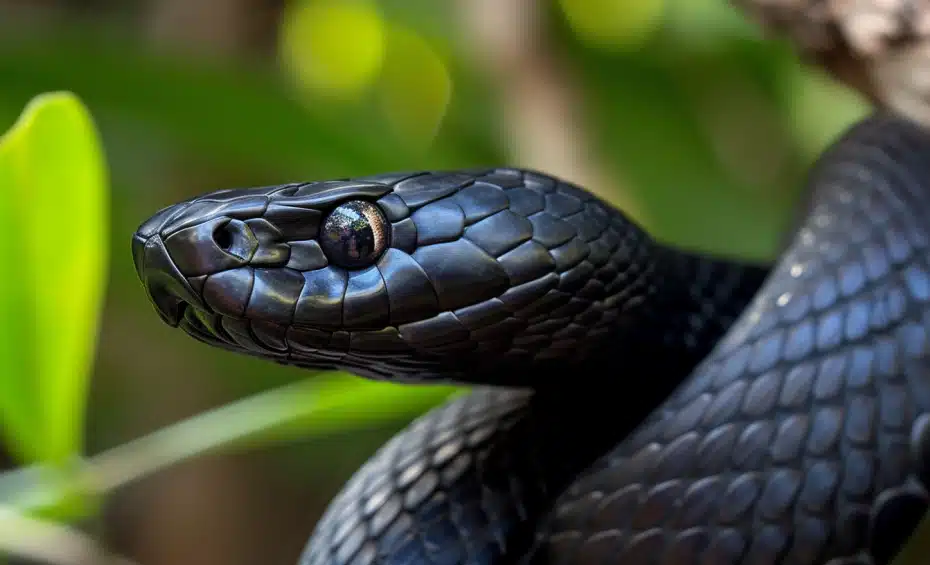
(235, 238)
(223, 237)
(211, 246)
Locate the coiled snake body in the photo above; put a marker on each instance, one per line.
(633, 403)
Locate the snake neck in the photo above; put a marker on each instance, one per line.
(690, 302)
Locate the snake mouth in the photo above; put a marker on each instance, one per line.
(209, 328)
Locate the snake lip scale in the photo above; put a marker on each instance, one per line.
(718, 411)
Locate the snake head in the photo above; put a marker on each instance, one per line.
(410, 277)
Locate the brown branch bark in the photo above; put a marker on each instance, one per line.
(879, 47)
(540, 101)
(223, 28)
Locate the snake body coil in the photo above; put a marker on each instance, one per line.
(717, 412)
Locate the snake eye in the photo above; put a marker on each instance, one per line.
(355, 234)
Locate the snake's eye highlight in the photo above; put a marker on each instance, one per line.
(355, 234)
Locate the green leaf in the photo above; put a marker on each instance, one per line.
(55, 200)
(19, 400)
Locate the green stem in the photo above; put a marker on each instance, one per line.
(313, 407)
(48, 542)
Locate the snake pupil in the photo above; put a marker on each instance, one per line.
(355, 234)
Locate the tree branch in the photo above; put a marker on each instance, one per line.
(879, 47)
(539, 97)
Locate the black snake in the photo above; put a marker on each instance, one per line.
(633, 403)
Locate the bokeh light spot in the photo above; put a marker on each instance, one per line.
(334, 47)
(416, 86)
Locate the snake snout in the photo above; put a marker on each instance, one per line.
(168, 289)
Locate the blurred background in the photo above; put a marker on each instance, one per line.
(676, 111)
